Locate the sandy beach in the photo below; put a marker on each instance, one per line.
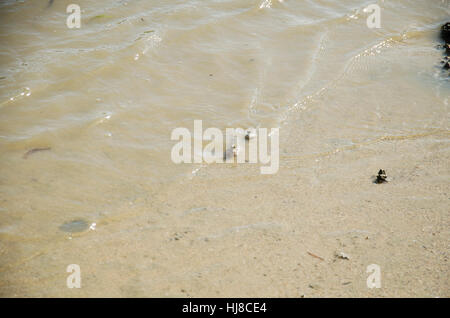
(257, 241)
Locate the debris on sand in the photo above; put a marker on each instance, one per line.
(342, 255)
(381, 177)
(231, 152)
(250, 134)
(315, 256)
(346, 283)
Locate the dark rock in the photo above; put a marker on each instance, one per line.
(381, 177)
(445, 32)
(445, 36)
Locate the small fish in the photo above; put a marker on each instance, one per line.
(31, 151)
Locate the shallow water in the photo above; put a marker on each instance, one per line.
(106, 97)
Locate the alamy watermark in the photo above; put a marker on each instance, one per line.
(374, 279)
(74, 279)
(236, 142)
(374, 19)
(74, 18)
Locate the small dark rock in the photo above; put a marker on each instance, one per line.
(381, 177)
(445, 32)
(445, 36)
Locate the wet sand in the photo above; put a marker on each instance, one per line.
(218, 234)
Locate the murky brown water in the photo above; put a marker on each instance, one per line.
(104, 98)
